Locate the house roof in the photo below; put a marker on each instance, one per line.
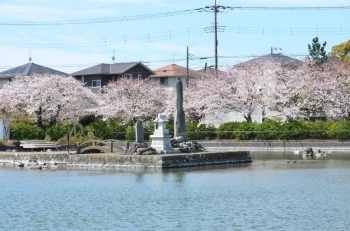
(109, 69)
(28, 70)
(274, 58)
(174, 70)
(210, 71)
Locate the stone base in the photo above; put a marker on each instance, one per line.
(162, 144)
(134, 161)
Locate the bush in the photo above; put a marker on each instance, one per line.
(319, 129)
(268, 130)
(245, 131)
(99, 129)
(339, 130)
(116, 130)
(201, 132)
(295, 130)
(226, 130)
(57, 132)
(130, 133)
(24, 131)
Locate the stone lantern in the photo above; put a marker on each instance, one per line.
(161, 137)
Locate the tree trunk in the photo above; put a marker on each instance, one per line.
(248, 118)
(39, 117)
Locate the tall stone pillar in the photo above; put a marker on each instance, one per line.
(139, 132)
(179, 118)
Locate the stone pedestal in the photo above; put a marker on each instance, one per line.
(161, 137)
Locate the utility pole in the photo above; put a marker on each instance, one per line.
(187, 67)
(215, 9)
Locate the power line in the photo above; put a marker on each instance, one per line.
(93, 9)
(287, 8)
(166, 14)
(102, 20)
(191, 57)
(182, 33)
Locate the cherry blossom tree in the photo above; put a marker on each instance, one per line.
(8, 106)
(51, 98)
(240, 89)
(339, 91)
(131, 100)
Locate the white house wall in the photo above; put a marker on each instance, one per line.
(2, 132)
(218, 118)
(171, 81)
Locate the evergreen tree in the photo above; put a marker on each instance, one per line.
(317, 53)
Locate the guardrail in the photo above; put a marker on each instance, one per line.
(38, 144)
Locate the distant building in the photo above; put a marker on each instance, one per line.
(273, 58)
(168, 75)
(28, 69)
(98, 76)
(210, 71)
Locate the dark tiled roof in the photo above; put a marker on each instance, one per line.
(28, 70)
(274, 58)
(115, 68)
(210, 71)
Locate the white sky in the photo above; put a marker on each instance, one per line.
(159, 41)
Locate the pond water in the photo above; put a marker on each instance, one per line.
(278, 191)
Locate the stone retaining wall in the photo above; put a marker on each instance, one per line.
(133, 161)
(276, 145)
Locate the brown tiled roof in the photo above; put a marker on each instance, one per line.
(174, 70)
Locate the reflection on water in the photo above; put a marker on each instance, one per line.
(278, 191)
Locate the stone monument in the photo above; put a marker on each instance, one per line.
(179, 118)
(161, 137)
(139, 132)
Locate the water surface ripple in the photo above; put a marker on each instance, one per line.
(269, 194)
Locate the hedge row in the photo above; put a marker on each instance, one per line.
(290, 130)
(268, 130)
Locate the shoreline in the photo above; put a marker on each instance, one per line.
(274, 145)
(106, 160)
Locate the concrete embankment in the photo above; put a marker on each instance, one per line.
(132, 161)
(324, 145)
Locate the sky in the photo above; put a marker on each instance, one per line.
(73, 35)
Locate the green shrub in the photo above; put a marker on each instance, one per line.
(295, 130)
(148, 129)
(2, 143)
(57, 132)
(100, 130)
(200, 132)
(245, 131)
(268, 130)
(226, 130)
(319, 129)
(24, 131)
(339, 130)
(115, 130)
(130, 133)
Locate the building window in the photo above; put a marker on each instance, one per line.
(164, 81)
(139, 76)
(128, 76)
(96, 83)
(82, 79)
